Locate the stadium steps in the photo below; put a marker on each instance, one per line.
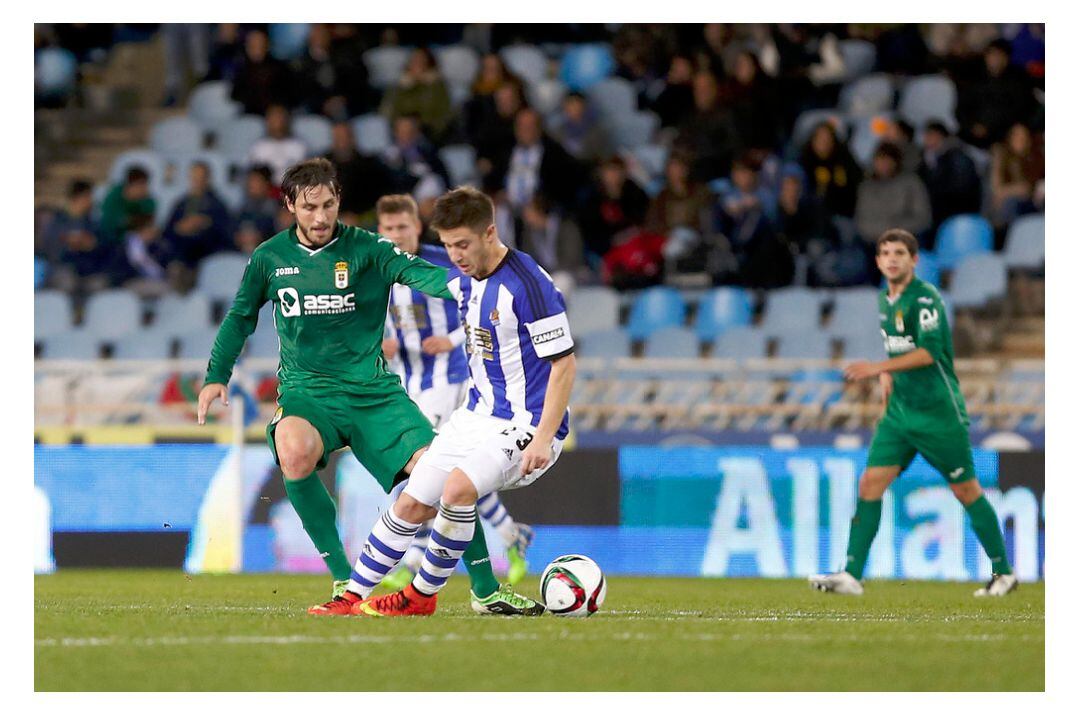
(1026, 338)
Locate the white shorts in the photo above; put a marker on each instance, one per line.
(438, 403)
(487, 449)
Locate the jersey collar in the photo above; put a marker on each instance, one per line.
(502, 263)
(312, 251)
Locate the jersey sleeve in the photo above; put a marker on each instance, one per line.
(931, 323)
(239, 323)
(396, 266)
(543, 312)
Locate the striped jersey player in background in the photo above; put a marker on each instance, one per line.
(424, 343)
(510, 430)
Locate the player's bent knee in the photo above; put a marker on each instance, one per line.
(875, 481)
(967, 491)
(298, 447)
(459, 489)
(409, 509)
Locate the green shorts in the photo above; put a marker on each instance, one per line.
(944, 443)
(381, 424)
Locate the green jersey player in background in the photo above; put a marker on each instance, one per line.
(329, 284)
(924, 414)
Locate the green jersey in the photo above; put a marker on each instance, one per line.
(329, 306)
(916, 319)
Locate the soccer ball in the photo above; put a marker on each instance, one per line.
(573, 585)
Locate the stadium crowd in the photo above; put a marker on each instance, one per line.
(752, 169)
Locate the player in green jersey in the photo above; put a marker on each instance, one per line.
(924, 414)
(329, 285)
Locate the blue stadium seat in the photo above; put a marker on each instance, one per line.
(633, 129)
(805, 345)
(458, 64)
(979, 278)
(526, 61)
(1025, 244)
(72, 345)
(584, 65)
(927, 98)
(592, 309)
(868, 95)
(179, 314)
(219, 275)
(928, 268)
(211, 105)
(960, 236)
(860, 56)
(264, 342)
(55, 70)
(808, 121)
(545, 96)
(866, 134)
(234, 139)
(864, 345)
(613, 97)
(460, 161)
(721, 309)
(177, 136)
(792, 310)
(372, 132)
(741, 343)
(52, 313)
(196, 345)
(655, 308)
(385, 65)
(855, 310)
(672, 342)
(112, 314)
(219, 169)
(652, 157)
(315, 131)
(144, 345)
(41, 271)
(288, 40)
(606, 344)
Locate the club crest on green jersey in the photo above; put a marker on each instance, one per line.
(341, 274)
(899, 321)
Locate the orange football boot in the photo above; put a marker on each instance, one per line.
(338, 606)
(407, 602)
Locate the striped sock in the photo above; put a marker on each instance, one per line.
(493, 512)
(415, 555)
(385, 546)
(450, 536)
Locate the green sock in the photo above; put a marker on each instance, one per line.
(318, 514)
(985, 523)
(478, 564)
(864, 526)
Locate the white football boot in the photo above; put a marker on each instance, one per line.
(841, 582)
(998, 585)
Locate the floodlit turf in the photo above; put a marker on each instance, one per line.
(161, 630)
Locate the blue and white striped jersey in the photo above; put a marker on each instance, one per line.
(515, 322)
(412, 317)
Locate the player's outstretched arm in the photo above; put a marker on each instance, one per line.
(396, 266)
(556, 399)
(207, 395)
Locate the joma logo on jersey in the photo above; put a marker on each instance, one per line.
(289, 271)
(548, 336)
(341, 274)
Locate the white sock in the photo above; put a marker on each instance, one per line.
(382, 551)
(493, 512)
(450, 536)
(415, 555)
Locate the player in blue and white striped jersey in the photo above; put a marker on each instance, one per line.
(424, 342)
(511, 428)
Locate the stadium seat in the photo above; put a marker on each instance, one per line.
(855, 310)
(177, 136)
(860, 56)
(196, 345)
(41, 271)
(613, 97)
(927, 98)
(232, 195)
(55, 72)
(655, 308)
(165, 199)
(219, 275)
(264, 342)
(808, 121)
(288, 40)
(584, 65)
(315, 131)
(633, 129)
(526, 61)
(607, 344)
(151, 344)
(219, 170)
(868, 95)
(672, 342)
(72, 345)
(112, 314)
(928, 268)
(721, 309)
(233, 139)
(460, 161)
(866, 134)
(52, 313)
(385, 65)
(652, 158)
(741, 343)
(863, 345)
(791, 310)
(591, 309)
(545, 95)
(372, 132)
(805, 345)
(960, 236)
(1025, 244)
(179, 314)
(458, 64)
(979, 278)
(211, 106)
(152, 162)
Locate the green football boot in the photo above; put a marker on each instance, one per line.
(505, 602)
(339, 589)
(515, 554)
(398, 579)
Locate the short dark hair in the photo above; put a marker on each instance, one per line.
(137, 173)
(397, 204)
(463, 207)
(898, 235)
(307, 175)
(891, 151)
(1001, 45)
(936, 125)
(80, 187)
(264, 171)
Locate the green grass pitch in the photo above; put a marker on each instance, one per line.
(163, 630)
